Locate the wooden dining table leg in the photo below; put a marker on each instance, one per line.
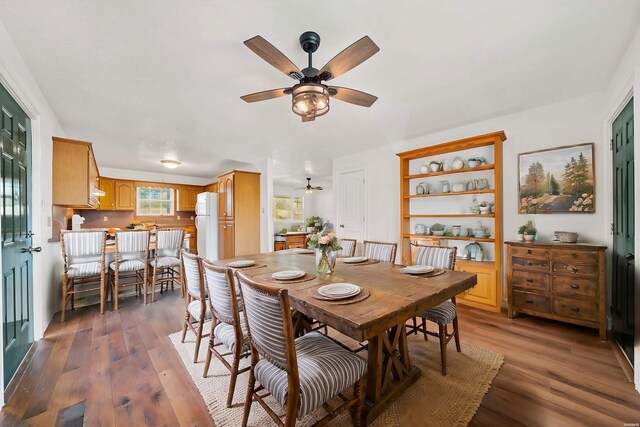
(389, 371)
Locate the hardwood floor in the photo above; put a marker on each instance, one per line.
(121, 369)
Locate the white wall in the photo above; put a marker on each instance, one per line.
(318, 203)
(17, 79)
(575, 121)
(152, 176)
(625, 82)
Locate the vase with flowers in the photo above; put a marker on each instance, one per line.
(327, 247)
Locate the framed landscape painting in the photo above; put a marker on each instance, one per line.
(558, 180)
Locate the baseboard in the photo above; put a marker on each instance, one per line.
(624, 362)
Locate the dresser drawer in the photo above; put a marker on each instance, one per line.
(531, 301)
(581, 257)
(574, 286)
(576, 308)
(584, 269)
(536, 282)
(531, 264)
(530, 252)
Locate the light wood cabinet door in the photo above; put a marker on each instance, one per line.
(108, 201)
(184, 198)
(226, 240)
(484, 292)
(75, 174)
(193, 199)
(125, 196)
(225, 197)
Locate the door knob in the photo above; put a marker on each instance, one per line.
(31, 249)
(629, 257)
(30, 233)
(341, 225)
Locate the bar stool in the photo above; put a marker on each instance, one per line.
(166, 260)
(132, 256)
(83, 257)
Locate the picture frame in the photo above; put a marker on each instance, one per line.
(557, 180)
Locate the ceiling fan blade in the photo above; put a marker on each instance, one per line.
(349, 58)
(265, 94)
(317, 188)
(273, 56)
(308, 118)
(352, 96)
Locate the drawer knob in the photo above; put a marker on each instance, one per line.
(574, 255)
(529, 263)
(575, 269)
(530, 280)
(529, 251)
(576, 309)
(575, 286)
(529, 301)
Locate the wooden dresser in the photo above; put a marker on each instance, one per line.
(558, 281)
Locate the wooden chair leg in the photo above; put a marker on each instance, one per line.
(443, 347)
(234, 376)
(415, 325)
(102, 292)
(207, 362)
(424, 329)
(116, 290)
(145, 283)
(249, 398)
(153, 284)
(64, 298)
(357, 394)
(456, 334)
(198, 339)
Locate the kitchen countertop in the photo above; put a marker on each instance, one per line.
(292, 233)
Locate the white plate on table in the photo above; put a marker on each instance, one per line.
(339, 290)
(355, 259)
(241, 263)
(288, 274)
(418, 269)
(303, 251)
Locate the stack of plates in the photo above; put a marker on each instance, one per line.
(418, 269)
(355, 259)
(241, 263)
(339, 290)
(288, 274)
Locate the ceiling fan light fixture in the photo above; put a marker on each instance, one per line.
(308, 191)
(171, 164)
(310, 100)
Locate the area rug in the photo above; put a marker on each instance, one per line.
(434, 400)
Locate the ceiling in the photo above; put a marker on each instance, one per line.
(153, 79)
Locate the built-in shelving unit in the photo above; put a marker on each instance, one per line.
(487, 293)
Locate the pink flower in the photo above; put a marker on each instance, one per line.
(324, 240)
(331, 235)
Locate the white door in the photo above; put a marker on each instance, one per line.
(350, 209)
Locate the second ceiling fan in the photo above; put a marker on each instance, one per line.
(310, 97)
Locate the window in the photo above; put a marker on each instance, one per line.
(151, 201)
(287, 208)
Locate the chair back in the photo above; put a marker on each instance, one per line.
(81, 246)
(222, 293)
(132, 244)
(192, 274)
(268, 318)
(436, 257)
(380, 251)
(169, 242)
(348, 247)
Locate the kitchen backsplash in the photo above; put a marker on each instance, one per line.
(95, 219)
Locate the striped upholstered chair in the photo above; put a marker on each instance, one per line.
(348, 247)
(132, 256)
(166, 260)
(380, 251)
(444, 313)
(301, 374)
(197, 308)
(228, 325)
(83, 257)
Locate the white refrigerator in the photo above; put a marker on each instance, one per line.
(207, 225)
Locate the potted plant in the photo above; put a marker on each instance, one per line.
(438, 229)
(314, 224)
(327, 247)
(530, 232)
(521, 230)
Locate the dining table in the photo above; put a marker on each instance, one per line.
(379, 320)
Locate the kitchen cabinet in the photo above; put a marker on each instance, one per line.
(279, 246)
(291, 241)
(74, 174)
(211, 188)
(187, 197)
(483, 294)
(125, 195)
(226, 242)
(239, 207)
(108, 201)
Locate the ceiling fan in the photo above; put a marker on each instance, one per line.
(309, 188)
(310, 97)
